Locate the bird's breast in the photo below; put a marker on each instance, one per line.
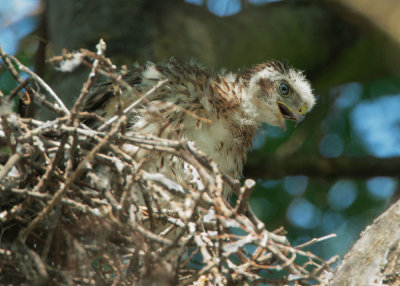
(217, 141)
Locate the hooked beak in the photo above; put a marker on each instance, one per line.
(287, 113)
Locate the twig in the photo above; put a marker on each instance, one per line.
(133, 105)
(14, 159)
(315, 240)
(245, 192)
(101, 47)
(42, 83)
(10, 66)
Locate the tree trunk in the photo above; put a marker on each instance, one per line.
(374, 258)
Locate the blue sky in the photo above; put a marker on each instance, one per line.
(15, 22)
(224, 8)
(377, 122)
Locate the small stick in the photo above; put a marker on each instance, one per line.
(14, 159)
(101, 47)
(42, 83)
(134, 104)
(245, 192)
(10, 66)
(315, 240)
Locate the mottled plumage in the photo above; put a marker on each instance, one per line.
(220, 113)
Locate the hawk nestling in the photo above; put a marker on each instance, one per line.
(220, 113)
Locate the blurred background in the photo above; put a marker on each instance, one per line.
(334, 173)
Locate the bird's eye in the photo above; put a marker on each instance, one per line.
(284, 89)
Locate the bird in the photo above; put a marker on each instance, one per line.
(219, 112)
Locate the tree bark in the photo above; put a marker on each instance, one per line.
(374, 258)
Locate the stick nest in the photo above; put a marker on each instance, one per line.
(70, 212)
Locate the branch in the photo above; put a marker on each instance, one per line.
(374, 258)
(343, 167)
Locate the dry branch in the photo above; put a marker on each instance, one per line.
(76, 209)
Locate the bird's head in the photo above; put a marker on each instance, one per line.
(275, 92)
